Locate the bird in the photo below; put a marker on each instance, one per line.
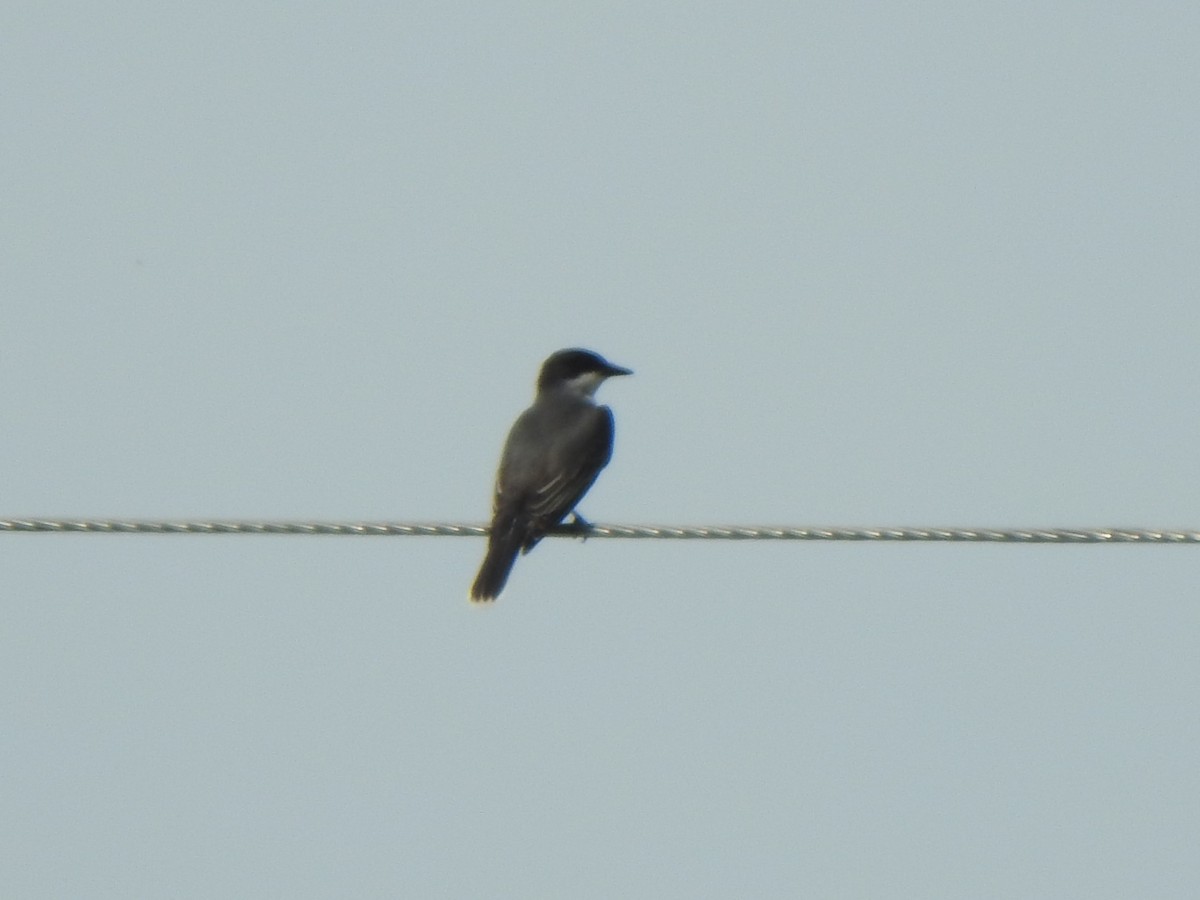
(553, 454)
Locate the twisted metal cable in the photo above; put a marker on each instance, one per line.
(666, 532)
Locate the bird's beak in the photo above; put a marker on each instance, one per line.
(612, 370)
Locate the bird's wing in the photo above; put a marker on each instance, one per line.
(560, 475)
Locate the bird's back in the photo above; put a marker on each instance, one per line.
(553, 454)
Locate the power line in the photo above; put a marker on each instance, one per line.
(662, 532)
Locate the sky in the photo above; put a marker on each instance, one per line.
(914, 264)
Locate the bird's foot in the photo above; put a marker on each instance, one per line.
(581, 526)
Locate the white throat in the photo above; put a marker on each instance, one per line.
(586, 384)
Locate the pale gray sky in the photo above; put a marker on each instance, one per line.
(907, 264)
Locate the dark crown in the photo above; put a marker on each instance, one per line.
(568, 364)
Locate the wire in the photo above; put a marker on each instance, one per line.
(664, 532)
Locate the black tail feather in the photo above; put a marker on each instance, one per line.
(501, 554)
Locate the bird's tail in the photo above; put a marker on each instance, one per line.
(501, 554)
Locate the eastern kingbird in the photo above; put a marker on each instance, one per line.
(554, 452)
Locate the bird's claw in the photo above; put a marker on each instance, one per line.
(581, 526)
